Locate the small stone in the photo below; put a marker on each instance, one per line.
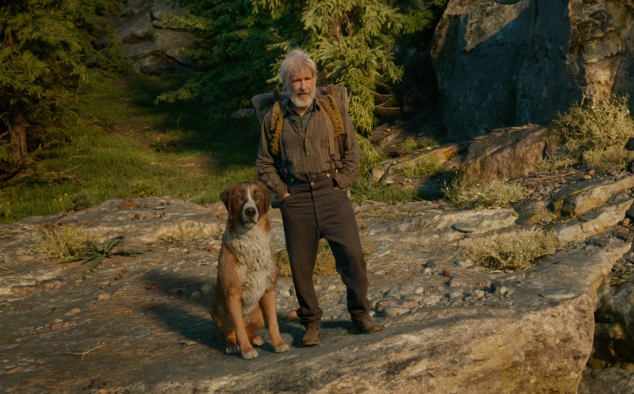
(57, 324)
(456, 282)
(626, 222)
(206, 288)
(394, 310)
(419, 290)
(446, 273)
(427, 270)
(592, 173)
(503, 289)
(331, 288)
(196, 294)
(23, 289)
(455, 294)
(363, 226)
(557, 294)
(464, 263)
(478, 293)
(430, 300)
(431, 264)
(140, 332)
(317, 280)
(292, 315)
(73, 312)
(408, 304)
(385, 303)
(587, 177)
(464, 228)
(103, 297)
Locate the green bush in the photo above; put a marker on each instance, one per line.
(596, 135)
(513, 250)
(427, 166)
(495, 193)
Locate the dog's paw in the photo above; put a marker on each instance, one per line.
(250, 354)
(257, 341)
(232, 349)
(283, 347)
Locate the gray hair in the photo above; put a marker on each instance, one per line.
(296, 61)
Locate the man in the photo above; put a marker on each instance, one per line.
(297, 160)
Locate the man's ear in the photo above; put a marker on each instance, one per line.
(224, 197)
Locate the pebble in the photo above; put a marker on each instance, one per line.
(419, 290)
(446, 273)
(73, 311)
(463, 263)
(102, 297)
(429, 300)
(196, 294)
(206, 288)
(503, 289)
(385, 303)
(408, 304)
(455, 294)
(478, 293)
(292, 315)
(414, 297)
(456, 282)
(140, 332)
(430, 264)
(557, 294)
(427, 270)
(57, 324)
(464, 228)
(394, 310)
(331, 288)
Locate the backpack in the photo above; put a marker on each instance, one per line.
(264, 102)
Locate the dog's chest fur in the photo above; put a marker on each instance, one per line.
(256, 269)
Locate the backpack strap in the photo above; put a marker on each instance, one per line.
(277, 121)
(330, 106)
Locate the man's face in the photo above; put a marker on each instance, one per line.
(302, 85)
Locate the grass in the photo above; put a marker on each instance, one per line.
(427, 166)
(515, 251)
(595, 135)
(63, 242)
(494, 194)
(125, 146)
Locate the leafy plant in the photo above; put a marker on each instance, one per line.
(513, 250)
(97, 253)
(495, 193)
(596, 134)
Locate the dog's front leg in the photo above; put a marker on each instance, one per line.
(234, 306)
(267, 303)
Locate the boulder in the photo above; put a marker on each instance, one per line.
(508, 153)
(510, 63)
(137, 27)
(609, 380)
(614, 331)
(133, 7)
(580, 198)
(172, 43)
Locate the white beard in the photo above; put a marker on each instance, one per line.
(303, 102)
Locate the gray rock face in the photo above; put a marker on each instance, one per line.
(153, 41)
(503, 64)
(609, 380)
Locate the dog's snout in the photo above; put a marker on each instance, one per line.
(250, 212)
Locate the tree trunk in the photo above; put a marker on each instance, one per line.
(17, 139)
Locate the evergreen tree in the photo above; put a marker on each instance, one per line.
(43, 54)
(352, 41)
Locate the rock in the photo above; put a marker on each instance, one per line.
(464, 227)
(577, 200)
(492, 72)
(430, 264)
(446, 273)
(456, 294)
(73, 312)
(555, 294)
(292, 315)
(50, 284)
(140, 332)
(614, 332)
(429, 300)
(394, 310)
(381, 305)
(532, 211)
(508, 153)
(606, 216)
(130, 30)
(206, 288)
(609, 380)
(163, 11)
(463, 263)
(456, 282)
(133, 7)
(139, 50)
(172, 43)
(478, 293)
(419, 290)
(58, 324)
(385, 171)
(103, 297)
(23, 289)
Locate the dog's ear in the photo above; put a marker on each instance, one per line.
(224, 197)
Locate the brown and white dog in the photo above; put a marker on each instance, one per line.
(245, 292)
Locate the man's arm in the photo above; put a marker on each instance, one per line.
(350, 170)
(266, 165)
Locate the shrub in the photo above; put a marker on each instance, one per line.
(513, 250)
(410, 144)
(427, 166)
(495, 193)
(597, 134)
(63, 242)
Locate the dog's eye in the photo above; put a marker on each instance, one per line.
(240, 198)
(257, 198)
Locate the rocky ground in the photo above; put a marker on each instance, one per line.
(141, 323)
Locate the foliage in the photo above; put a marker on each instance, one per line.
(81, 200)
(427, 166)
(113, 134)
(43, 63)
(63, 242)
(353, 42)
(410, 144)
(495, 193)
(513, 250)
(96, 253)
(597, 134)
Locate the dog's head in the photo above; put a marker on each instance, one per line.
(246, 203)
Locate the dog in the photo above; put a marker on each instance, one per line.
(247, 275)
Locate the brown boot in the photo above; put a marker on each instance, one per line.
(367, 326)
(311, 336)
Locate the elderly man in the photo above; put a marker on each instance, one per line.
(298, 161)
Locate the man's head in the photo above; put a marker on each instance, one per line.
(299, 76)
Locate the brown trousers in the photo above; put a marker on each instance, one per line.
(312, 211)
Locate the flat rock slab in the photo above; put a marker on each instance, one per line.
(141, 324)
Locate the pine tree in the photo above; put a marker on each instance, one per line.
(43, 55)
(352, 41)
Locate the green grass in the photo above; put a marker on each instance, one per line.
(124, 146)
